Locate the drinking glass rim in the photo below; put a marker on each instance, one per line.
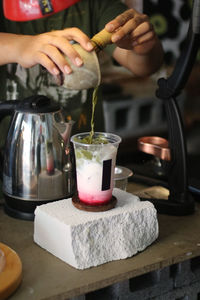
(116, 138)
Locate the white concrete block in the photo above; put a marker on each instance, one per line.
(86, 239)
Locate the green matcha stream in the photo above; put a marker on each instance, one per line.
(94, 102)
(90, 139)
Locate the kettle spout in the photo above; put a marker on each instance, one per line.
(64, 130)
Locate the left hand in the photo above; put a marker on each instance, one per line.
(132, 31)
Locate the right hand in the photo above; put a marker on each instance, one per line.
(47, 49)
(133, 31)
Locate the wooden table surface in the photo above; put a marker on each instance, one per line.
(46, 277)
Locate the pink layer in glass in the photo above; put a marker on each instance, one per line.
(101, 197)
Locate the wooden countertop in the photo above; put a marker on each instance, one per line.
(46, 277)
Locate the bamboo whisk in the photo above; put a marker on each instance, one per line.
(101, 40)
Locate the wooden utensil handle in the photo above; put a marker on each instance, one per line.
(101, 40)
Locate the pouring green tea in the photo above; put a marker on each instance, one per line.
(91, 138)
(94, 103)
(88, 75)
(95, 154)
(99, 41)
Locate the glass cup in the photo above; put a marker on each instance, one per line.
(95, 164)
(121, 177)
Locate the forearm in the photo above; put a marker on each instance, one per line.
(8, 48)
(47, 49)
(140, 64)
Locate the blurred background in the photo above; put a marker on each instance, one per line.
(130, 105)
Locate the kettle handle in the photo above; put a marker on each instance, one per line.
(7, 108)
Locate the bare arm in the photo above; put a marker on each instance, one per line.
(46, 49)
(138, 47)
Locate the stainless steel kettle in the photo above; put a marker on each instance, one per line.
(38, 159)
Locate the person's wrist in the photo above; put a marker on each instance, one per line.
(20, 44)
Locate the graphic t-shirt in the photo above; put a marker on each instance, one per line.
(17, 83)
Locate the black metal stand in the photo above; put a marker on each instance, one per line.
(180, 201)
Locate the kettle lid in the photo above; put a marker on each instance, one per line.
(37, 104)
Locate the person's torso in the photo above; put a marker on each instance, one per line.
(88, 15)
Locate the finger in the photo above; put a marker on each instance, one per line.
(142, 29)
(59, 59)
(58, 45)
(77, 35)
(128, 28)
(144, 38)
(47, 63)
(120, 20)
